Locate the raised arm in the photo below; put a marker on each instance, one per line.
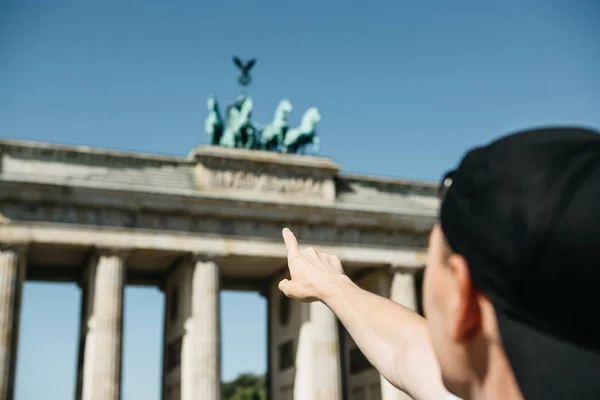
(393, 338)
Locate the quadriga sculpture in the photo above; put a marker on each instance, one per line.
(213, 126)
(298, 138)
(240, 131)
(237, 121)
(272, 135)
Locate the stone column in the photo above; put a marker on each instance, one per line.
(201, 347)
(402, 291)
(326, 369)
(102, 358)
(11, 280)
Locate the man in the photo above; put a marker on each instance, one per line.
(512, 284)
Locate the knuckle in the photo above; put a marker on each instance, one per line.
(310, 250)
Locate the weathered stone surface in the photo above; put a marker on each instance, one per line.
(10, 284)
(202, 362)
(402, 291)
(102, 358)
(260, 174)
(229, 203)
(322, 231)
(386, 193)
(81, 236)
(325, 354)
(208, 169)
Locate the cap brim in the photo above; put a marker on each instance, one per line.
(547, 367)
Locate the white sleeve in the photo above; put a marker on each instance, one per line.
(450, 396)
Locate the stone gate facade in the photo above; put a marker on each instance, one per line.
(193, 226)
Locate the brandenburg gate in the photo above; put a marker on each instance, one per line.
(193, 226)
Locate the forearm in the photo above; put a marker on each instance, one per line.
(393, 338)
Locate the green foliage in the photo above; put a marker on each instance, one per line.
(245, 387)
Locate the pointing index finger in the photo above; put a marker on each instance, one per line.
(291, 243)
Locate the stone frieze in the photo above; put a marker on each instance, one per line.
(325, 232)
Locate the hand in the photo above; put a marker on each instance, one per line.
(314, 275)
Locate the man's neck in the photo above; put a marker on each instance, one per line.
(498, 382)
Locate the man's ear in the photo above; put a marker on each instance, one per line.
(465, 320)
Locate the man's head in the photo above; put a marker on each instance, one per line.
(461, 319)
(512, 281)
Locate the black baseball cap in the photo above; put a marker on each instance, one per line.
(524, 211)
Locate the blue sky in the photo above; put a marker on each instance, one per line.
(403, 87)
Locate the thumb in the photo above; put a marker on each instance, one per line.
(291, 289)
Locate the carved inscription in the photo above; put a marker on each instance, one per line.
(234, 179)
(248, 180)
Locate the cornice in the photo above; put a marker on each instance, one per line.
(74, 153)
(189, 200)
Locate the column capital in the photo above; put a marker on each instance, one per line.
(18, 247)
(121, 252)
(394, 269)
(403, 288)
(202, 257)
